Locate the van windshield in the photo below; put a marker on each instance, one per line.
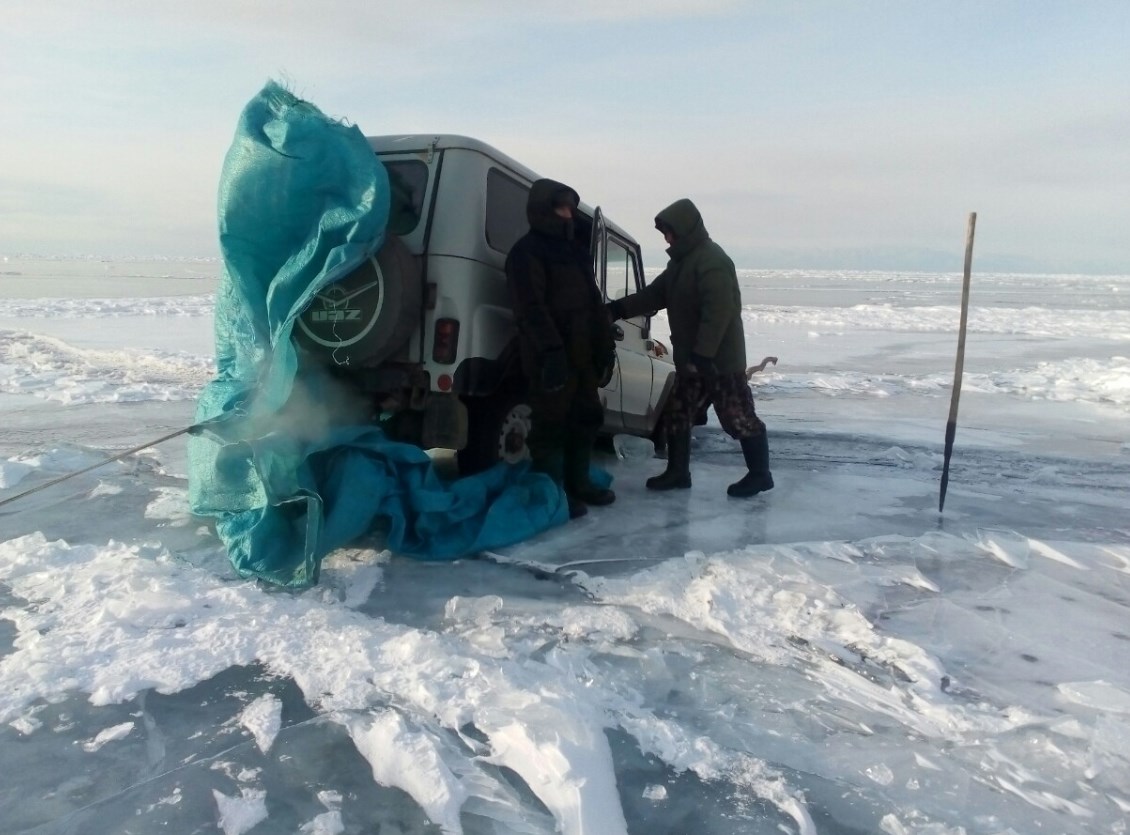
(408, 180)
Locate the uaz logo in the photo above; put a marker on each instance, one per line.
(350, 314)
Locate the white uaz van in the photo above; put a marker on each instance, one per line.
(426, 328)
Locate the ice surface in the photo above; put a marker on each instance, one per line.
(830, 657)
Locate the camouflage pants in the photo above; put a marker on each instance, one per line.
(728, 393)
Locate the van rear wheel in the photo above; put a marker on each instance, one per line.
(498, 429)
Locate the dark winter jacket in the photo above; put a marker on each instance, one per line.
(557, 305)
(699, 290)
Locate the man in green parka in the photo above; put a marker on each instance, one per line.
(699, 290)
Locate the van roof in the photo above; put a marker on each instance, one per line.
(406, 143)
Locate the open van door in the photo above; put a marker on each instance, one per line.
(611, 395)
(628, 396)
(598, 244)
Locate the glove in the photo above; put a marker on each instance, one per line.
(616, 310)
(702, 365)
(554, 370)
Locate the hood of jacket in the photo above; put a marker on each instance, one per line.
(545, 196)
(682, 218)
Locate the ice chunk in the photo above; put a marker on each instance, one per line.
(327, 823)
(108, 735)
(12, 472)
(241, 814)
(631, 448)
(263, 718)
(655, 793)
(1100, 695)
(409, 759)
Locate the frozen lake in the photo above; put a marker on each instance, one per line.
(831, 657)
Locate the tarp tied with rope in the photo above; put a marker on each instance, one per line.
(283, 460)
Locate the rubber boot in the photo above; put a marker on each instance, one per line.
(578, 460)
(758, 479)
(577, 508)
(552, 463)
(678, 473)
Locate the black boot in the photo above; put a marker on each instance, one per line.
(596, 496)
(578, 459)
(551, 461)
(758, 479)
(678, 473)
(577, 508)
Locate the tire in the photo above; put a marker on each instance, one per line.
(498, 430)
(365, 317)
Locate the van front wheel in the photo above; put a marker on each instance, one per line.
(498, 429)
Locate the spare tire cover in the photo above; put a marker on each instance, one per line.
(363, 318)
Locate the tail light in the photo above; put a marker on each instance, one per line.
(445, 345)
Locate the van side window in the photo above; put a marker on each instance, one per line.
(506, 210)
(620, 275)
(636, 280)
(407, 180)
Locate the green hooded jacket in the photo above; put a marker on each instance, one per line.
(699, 290)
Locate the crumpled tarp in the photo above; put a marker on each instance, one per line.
(303, 201)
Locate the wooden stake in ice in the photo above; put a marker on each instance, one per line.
(951, 424)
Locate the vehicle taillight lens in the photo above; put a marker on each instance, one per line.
(446, 343)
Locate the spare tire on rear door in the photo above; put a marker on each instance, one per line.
(363, 318)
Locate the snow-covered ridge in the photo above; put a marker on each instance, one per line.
(1080, 379)
(109, 308)
(110, 259)
(1028, 321)
(1045, 281)
(51, 369)
(1036, 322)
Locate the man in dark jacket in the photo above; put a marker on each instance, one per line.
(699, 290)
(565, 339)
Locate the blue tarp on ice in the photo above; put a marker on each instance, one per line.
(303, 201)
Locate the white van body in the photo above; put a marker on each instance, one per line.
(443, 368)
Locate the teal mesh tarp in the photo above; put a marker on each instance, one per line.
(303, 200)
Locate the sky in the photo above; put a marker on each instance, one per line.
(822, 134)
